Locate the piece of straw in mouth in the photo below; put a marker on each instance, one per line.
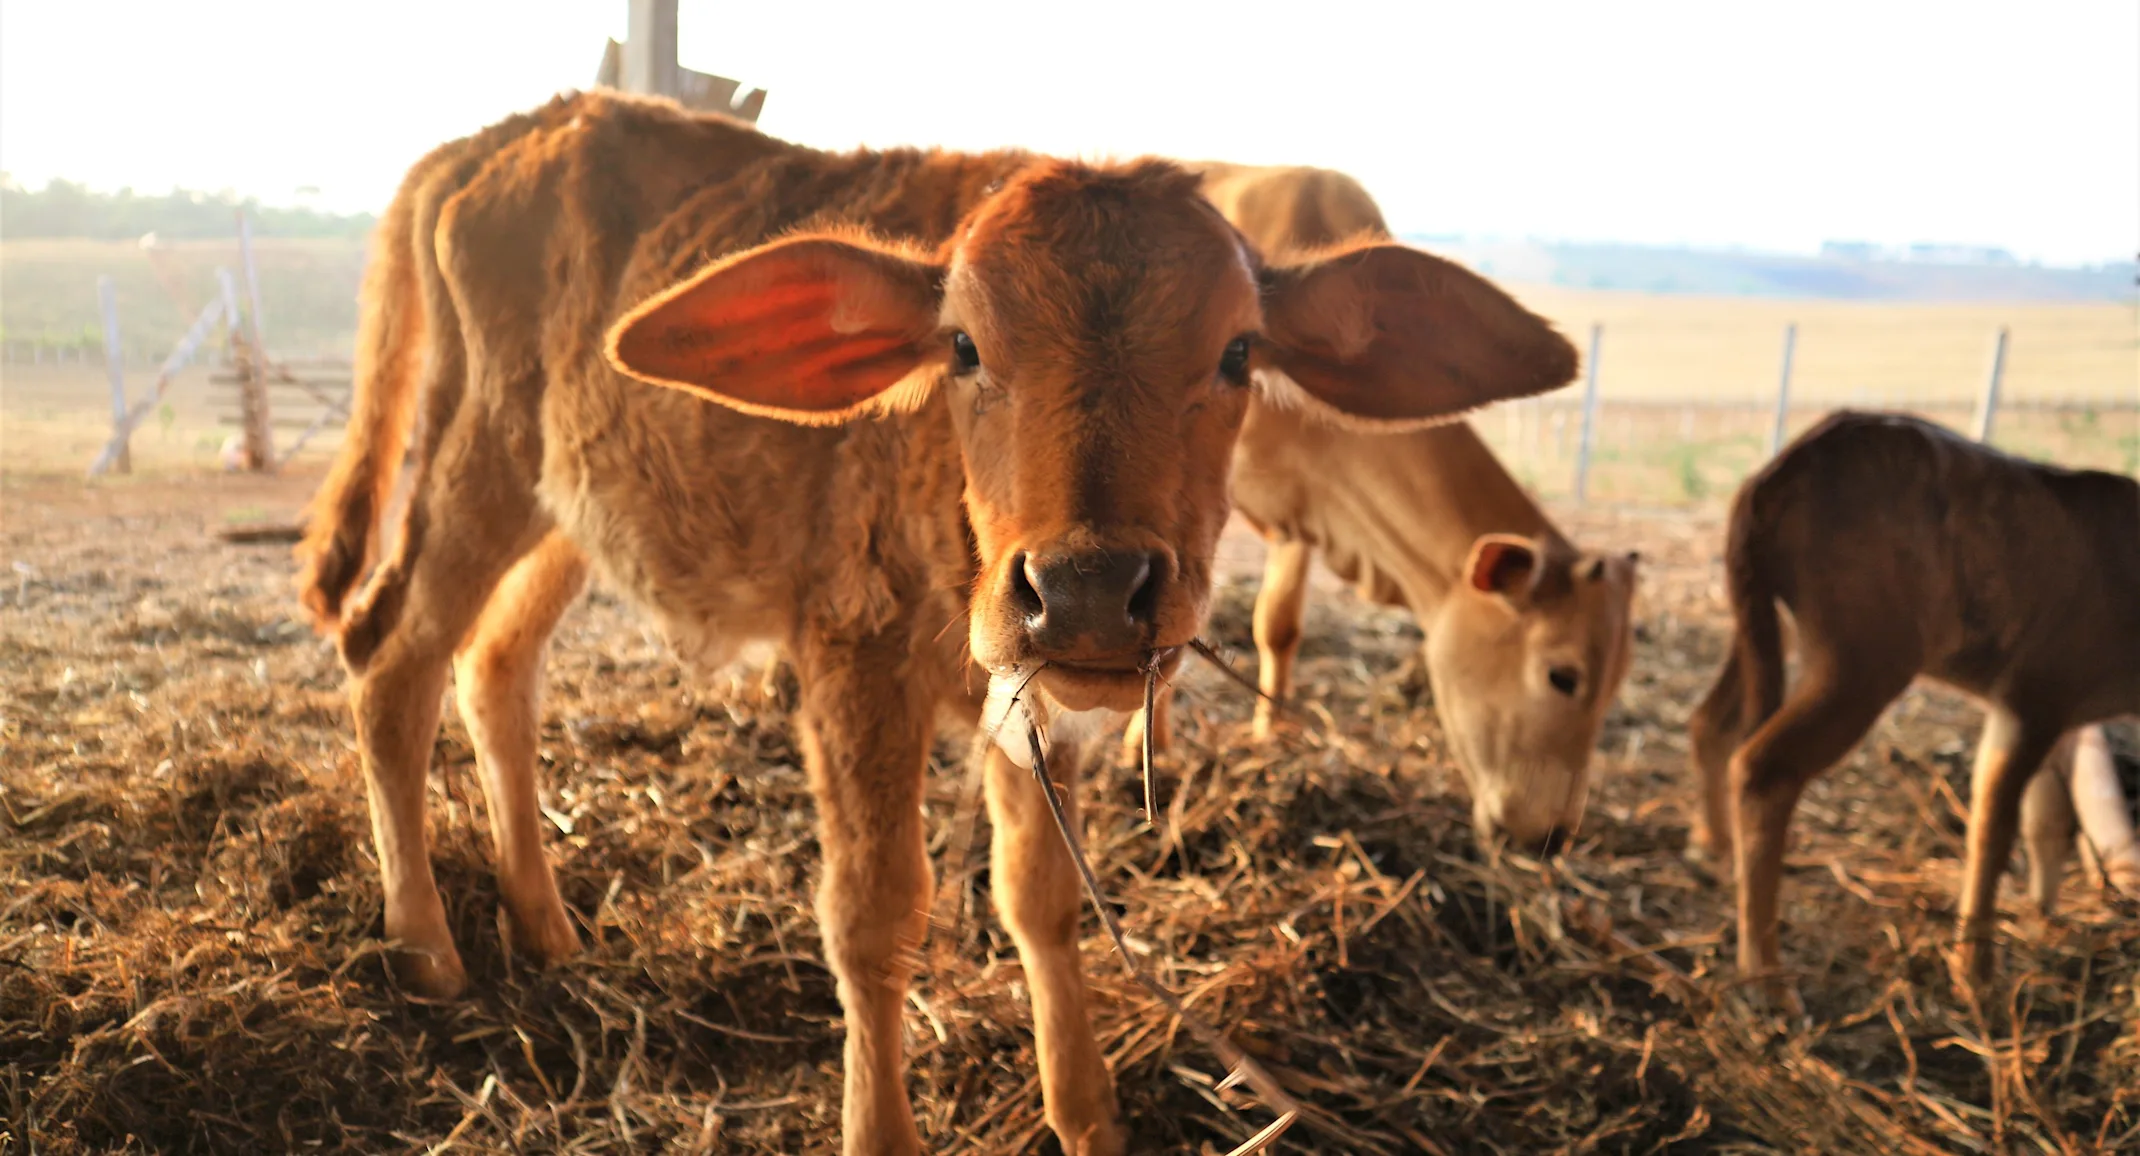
(1151, 695)
(1239, 1067)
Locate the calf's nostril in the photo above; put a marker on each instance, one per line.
(1025, 591)
(1143, 606)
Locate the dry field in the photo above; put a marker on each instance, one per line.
(1848, 351)
(308, 288)
(190, 915)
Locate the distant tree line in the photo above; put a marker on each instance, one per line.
(67, 209)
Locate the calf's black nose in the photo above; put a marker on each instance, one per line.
(1086, 602)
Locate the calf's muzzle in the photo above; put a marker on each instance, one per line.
(1090, 604)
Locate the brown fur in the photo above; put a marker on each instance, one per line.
(1903, 549)
(343, 539)
(1412, 517)
(824, 472)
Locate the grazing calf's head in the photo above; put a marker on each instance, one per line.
(1526, 654)
(1095, 332)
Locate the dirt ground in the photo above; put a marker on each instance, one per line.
(190, 914)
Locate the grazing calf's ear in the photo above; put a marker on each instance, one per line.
(1391, 337)
(809, 329)
(1501, 564)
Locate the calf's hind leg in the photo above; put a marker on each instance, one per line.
(398, 643)
(1715, 728)
(2049, 824)
(1826, 714)
(2007, 758)
(498, 684)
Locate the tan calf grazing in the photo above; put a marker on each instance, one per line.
(929, 418)
(1528, 637)
(1903, 549)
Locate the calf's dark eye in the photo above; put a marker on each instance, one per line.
(1565, 679)
(1233, 364)
(964, 352)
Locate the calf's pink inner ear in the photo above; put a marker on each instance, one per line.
(1501, 565)
(810, 328)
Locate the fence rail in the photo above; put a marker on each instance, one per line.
(133, 355)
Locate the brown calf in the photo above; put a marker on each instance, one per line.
(1902, 549)
(930, 417)
(1528, 637)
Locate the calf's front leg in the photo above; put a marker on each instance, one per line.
(1037, 897)
(1161, 724)
(1280, 606)
(865, 731)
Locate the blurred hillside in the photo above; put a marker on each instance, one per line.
(66, 209)
(1843, 272)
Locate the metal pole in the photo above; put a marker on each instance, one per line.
(1783, 392)
(115, 367)
(650, 48)
(1988, 403)
(1590, 416)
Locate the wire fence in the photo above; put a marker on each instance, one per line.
(1686, 414)
(1686, 451)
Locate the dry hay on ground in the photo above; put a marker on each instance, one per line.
(189, 909)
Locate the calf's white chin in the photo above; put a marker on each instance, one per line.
(1016, 703)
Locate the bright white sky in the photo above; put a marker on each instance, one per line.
(1767, 125)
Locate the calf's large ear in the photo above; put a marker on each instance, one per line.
(812, 329)
(1504, 564)
(1383, 336)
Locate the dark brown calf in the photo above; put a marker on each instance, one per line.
(1903, 549)
(930, 418)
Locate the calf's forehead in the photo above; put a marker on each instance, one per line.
(1125, 268)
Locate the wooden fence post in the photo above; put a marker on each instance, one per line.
(259, 433)
(1783, 392)
(1988, 401)
(1590, 416)
(115, 368)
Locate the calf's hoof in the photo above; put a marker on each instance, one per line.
(1973, 958)
(1776, 994)
(434, 973)
(1711, 851)
(549, 936)
(1101, 1139)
